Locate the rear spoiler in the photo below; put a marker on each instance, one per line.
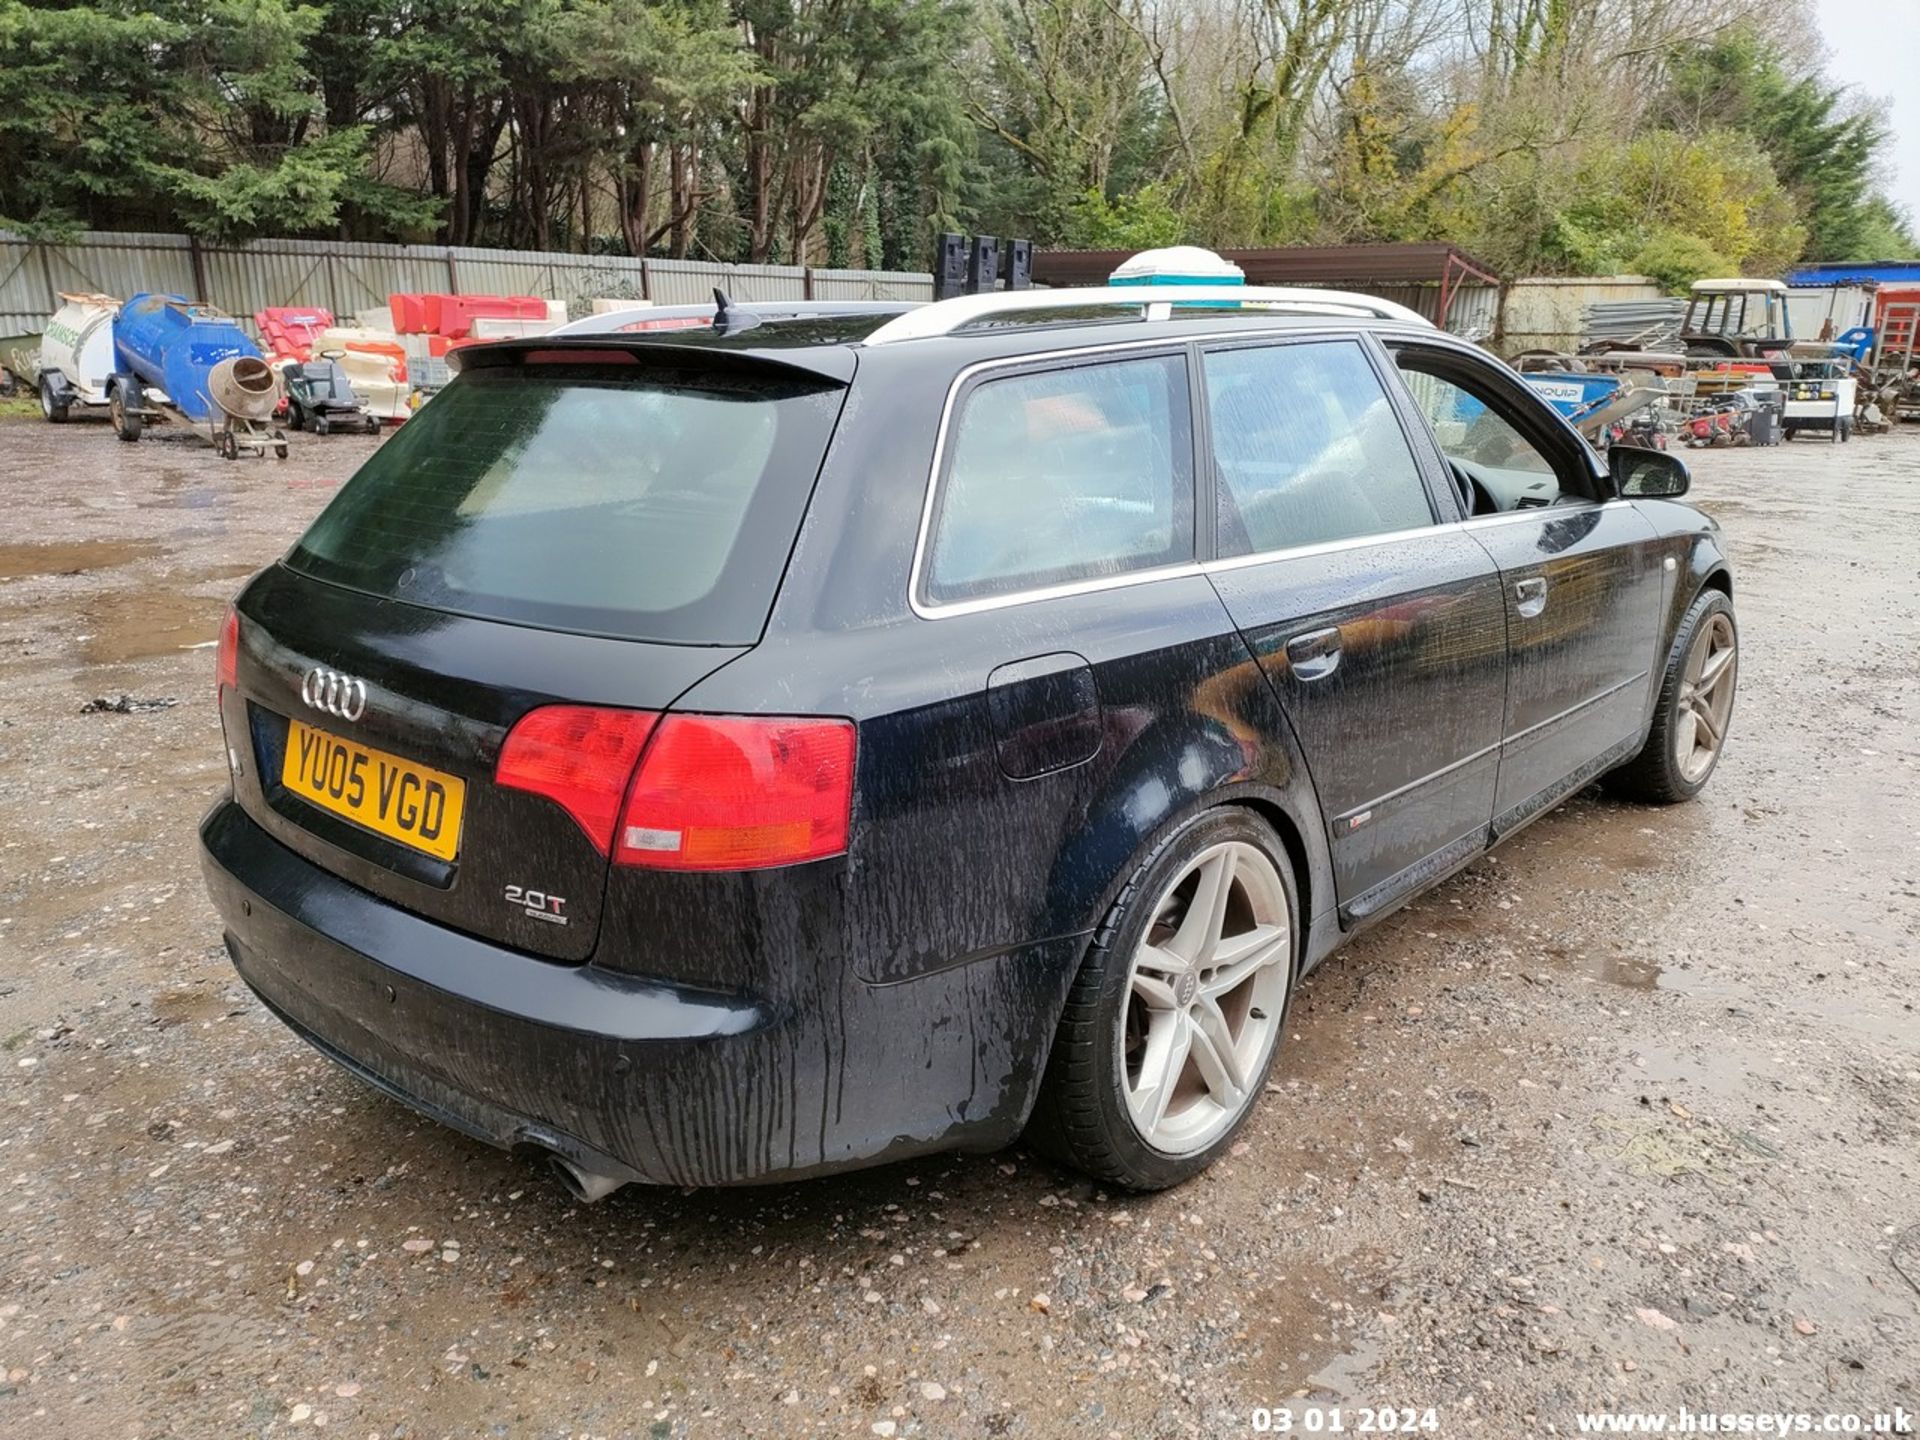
(834, 364)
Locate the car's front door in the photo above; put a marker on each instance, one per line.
(1378, 622)
(1582, 577)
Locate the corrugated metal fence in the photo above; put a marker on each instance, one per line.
(349, 276)
(1545, 314)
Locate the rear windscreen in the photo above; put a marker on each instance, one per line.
(655, 505)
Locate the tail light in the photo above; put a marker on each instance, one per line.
(711, 792)
(227, 665)
(739, 793)
(578, 756)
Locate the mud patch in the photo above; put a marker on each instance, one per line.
(137, 625)
(70, 557)
(187, 1007)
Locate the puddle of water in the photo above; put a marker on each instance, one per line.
(66, 557)
(1623, 970)
(201, 497)
(1312, 1328)
(137, 624)
(195, 1340)
(236, 571)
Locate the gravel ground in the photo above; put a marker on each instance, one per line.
(1625, 1116)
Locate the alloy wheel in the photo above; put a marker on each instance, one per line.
(1206, 994)
(1706, 698)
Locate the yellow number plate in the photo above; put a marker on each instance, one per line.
(390, 796)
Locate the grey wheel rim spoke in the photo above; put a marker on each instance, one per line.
(1217, 1055)
(1161, 1070)
(1206, 995)
(1706, 697)
(1199, 930)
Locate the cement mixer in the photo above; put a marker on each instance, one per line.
(246, 390)
(175, 357)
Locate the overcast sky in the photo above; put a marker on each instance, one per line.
(1875, 45)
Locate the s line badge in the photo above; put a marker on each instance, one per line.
(538, 904)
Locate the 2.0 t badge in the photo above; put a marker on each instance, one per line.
(538, 904)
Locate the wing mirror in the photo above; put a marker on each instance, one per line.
(1648, 474)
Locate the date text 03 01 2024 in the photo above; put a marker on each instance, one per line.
(1344, 1420)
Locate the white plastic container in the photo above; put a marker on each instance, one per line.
(1178, 265)
(76, 354)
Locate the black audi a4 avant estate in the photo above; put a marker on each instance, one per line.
(827, 734)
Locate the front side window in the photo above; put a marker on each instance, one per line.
(1307, 449)
(1064, 475)
(1496, 467)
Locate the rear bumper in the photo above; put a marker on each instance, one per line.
(631, 1077)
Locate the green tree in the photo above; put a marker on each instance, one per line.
(852, 80)
(1060, 92)
(1822, 152)
(199, 116)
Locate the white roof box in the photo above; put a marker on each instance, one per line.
(1178, 265)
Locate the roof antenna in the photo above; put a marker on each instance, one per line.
(728, 317)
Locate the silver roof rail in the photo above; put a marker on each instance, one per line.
(943, 317)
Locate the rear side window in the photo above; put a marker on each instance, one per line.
(1307, 448)
(1065, 475)
(647, 504)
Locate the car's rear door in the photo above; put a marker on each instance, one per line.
(571, 536)
(1582, 578)
(1377, 621)
(1055, 586)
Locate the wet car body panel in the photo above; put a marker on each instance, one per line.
(633, 1078)
(1581, 657)
(900, 998)
(443, 690)
(1402, 733)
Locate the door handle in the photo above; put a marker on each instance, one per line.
(1316, 654)
(1530, 596)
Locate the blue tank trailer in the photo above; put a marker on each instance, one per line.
(166, 351)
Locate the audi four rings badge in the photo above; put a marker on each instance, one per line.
(334, 693)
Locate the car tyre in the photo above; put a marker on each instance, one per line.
(1695, 709)
(1175, 1016)
(51, 405)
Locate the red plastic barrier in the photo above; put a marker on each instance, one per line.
(458, 312)
(433, 313)
(288, 331)
(409, 313)
(439, 345)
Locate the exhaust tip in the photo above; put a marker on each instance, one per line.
(586, 1186)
